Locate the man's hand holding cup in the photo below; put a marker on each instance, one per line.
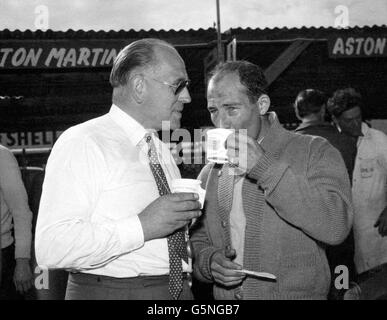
(243, 151)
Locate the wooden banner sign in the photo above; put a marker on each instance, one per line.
(59, 53)
(357, 46)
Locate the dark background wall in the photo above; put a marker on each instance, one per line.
(58, 98)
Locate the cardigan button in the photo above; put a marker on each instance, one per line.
(228, 248)
(219, 173)
(224, 224)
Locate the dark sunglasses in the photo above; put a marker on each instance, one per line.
(177, 87)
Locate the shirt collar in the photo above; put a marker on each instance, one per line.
(365, 128)
(135, 131)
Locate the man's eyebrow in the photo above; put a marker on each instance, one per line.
(231, 104)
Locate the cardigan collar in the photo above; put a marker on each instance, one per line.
(276, 136)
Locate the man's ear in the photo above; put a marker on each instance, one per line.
(263, 104)
(137, 87)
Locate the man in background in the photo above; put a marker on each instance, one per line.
(369, 183)
(16, 216)
(310, 107)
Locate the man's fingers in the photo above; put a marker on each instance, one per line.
(188, 215)
(226, 279)
(223, 270)
(187, 206)
(227, 267)
(228, 274)
(231, 254)
(232, 141)
(183, 196)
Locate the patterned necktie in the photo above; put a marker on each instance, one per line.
(176, 242)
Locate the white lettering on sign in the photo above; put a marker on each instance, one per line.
(71, 57)
(84, 55)
(56, 54)
(18, 57)
(359, 47)
(380, 45)
(339, 47)
(56, 57)
(96, 52)
(5, 52)
(32, 57)
(35, 139)
(112, 55)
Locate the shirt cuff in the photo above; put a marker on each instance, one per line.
(206, 255)
(268, 172)
(130, 233)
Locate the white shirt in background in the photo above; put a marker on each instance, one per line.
(369, 191)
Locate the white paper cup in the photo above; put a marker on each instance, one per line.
(215, 145)
(189, 185)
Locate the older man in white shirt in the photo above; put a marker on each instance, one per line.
(106, 212)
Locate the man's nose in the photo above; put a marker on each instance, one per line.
(224, 121)
(184, 96)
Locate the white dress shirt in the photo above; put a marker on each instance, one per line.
(97, 181)
(369, 191)
(238, 221)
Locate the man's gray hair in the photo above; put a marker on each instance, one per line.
(138, 54)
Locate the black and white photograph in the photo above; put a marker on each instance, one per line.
(187, 153)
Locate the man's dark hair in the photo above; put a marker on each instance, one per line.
(138, 54)
(309, 101)
(343, 100)
(251, 77)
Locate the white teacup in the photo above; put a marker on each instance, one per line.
(189, 185)
(215, 145)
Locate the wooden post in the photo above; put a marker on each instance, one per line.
(219, 38)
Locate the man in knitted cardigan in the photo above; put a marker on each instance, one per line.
(281, 198)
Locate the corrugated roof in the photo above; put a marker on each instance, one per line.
(309, 32)
(111, 34)
(203, 34)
